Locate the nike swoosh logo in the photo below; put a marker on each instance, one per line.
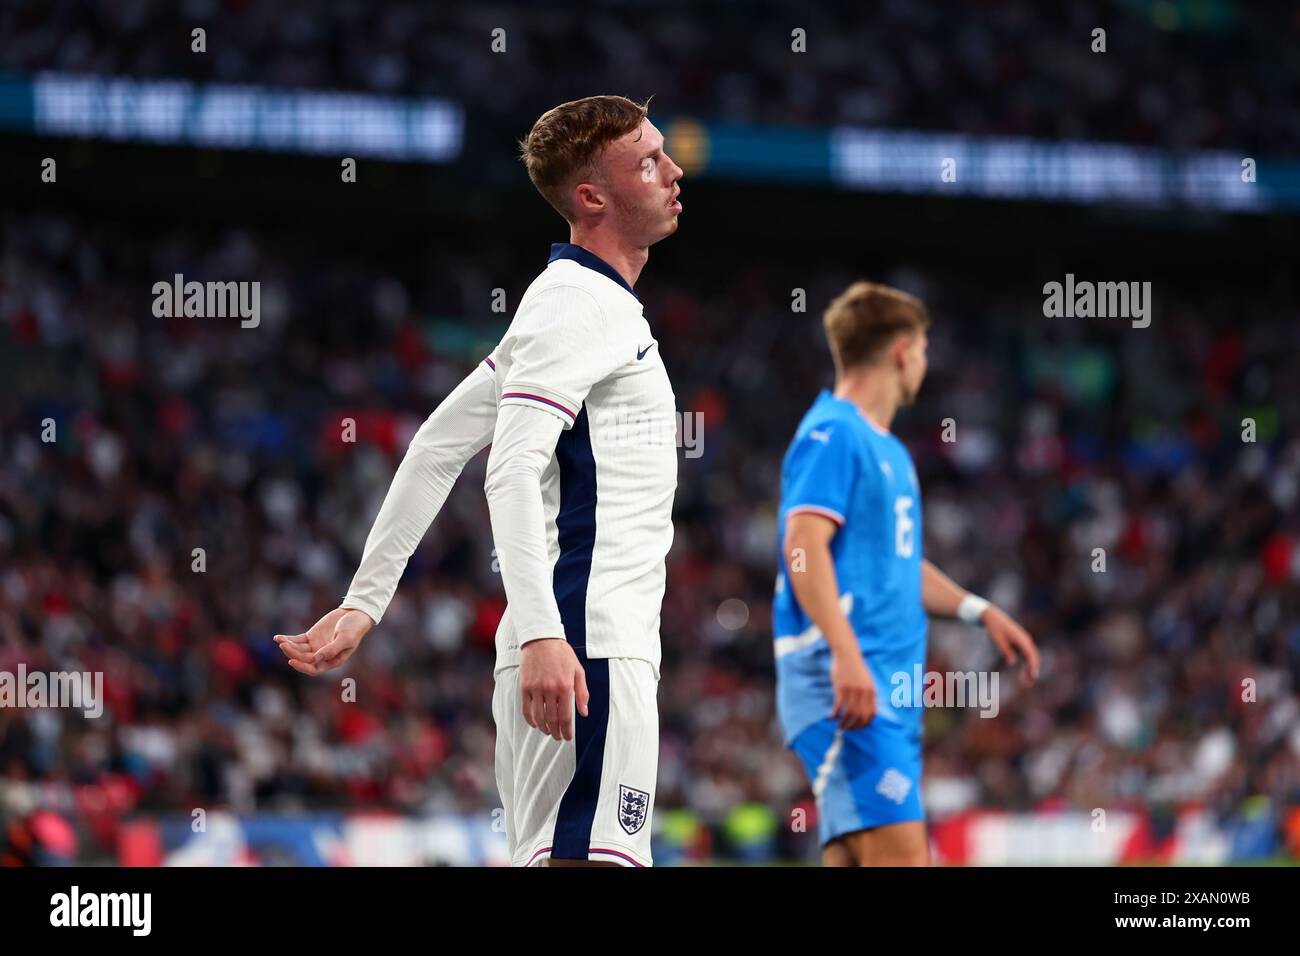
(641, 352)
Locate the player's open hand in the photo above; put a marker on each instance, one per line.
(550, 676)
(1013, 641)
(855, 691)
(328, 643)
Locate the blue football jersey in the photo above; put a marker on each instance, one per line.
(861, 477)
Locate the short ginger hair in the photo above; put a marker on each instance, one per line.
(563, 146)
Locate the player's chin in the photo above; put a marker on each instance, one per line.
(662, 232)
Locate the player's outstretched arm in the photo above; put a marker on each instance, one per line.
(942, 597)
(808, 537)
(550, 674)
(457, 430)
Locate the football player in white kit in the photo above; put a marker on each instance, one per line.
(577, 405)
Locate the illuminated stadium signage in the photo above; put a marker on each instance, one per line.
(244, 117)
(955, 164)
(1011, 168)
(228, 116)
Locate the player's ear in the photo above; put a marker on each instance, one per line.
(587, 198)
(898, 351)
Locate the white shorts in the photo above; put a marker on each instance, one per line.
(590, 798)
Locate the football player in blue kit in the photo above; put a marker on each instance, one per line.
(853, 592)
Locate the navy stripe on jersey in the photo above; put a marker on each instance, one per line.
(569, 250)
(576, 527)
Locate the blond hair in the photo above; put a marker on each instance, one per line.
(865, 318)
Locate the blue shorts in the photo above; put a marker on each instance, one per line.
(862, 779)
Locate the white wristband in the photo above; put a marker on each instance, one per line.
(972, 608)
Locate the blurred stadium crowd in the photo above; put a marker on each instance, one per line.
(176, 434)
(1006, 68)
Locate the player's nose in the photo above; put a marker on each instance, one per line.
(675, 172)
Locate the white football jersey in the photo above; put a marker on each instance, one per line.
(579, 347)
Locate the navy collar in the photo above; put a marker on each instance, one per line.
(569, 250)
